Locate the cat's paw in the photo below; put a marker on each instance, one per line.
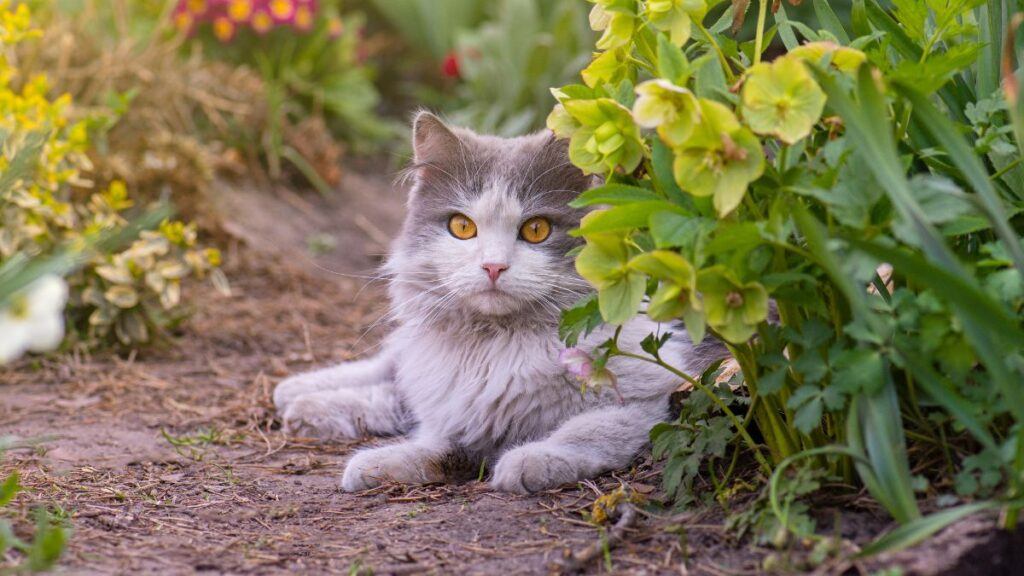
(531, 468)
(370, 468)
(316, 416)
(291, 388)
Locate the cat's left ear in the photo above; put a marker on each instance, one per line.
(432, 141)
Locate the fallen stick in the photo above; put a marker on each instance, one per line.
(577, 561)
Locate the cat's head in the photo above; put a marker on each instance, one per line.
(486, 232)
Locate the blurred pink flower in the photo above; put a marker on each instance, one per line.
(577, 362)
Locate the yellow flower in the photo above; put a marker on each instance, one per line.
(240, 10)
(183, 21)
(282, 9)
(223, 29)
(303, 18)
(262, 22)
(196, 6)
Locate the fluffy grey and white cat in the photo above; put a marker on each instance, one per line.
(471, 372)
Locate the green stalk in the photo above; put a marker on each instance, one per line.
(762, 12)
(765, 465)
(718, 51)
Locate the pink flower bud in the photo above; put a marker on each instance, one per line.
(577, 362)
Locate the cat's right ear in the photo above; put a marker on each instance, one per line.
(432, 141)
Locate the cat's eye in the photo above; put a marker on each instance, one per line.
(535, 230)
(461, 227)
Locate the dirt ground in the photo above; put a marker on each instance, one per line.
(170, 461)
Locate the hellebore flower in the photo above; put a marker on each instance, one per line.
(734, 309)
(673, 110)
(676, 296)
(720, 159)
(674, 17)
(604, 262)
(617, 19)
(609, 67)
(844, 58)
(34, 319)
(607, 136)
(781, 99)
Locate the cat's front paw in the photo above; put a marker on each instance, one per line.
(291, 388)
(370, 468)
(531, 468)
(315, 416)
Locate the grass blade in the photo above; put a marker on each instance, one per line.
(917, 530)
(829, 21)
(964, 158)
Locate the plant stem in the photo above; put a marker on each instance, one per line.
(718, 50)
(762, 12)
(715, 399)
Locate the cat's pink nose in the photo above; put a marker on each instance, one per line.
(494, 270)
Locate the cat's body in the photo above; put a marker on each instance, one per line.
(471, 371)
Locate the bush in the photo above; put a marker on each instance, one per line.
(45, 209)
(309, 59)
(732, 182)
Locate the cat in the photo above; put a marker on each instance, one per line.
(470, 374)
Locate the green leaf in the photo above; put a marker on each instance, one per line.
(625, 217)
(620, 300)
(918, 530)
(807, 403)
(9, 489)
(580, 320)
(970, 165)
(672, 63)
(614, 195)
(828, 19)
(875, 429)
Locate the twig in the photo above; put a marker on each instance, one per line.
(576, 562)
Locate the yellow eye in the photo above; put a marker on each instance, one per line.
(535, 230)
(461, 227)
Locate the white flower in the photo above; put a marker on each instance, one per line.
(34, 319)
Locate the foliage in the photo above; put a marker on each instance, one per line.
(506, 64)
(165, 125)
(47, 544)
(432, 26)
(733, 179)
(125, 296)
(308, 57)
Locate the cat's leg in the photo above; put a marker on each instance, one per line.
(418, 460)
(374, 370)
(584, 446)
(346, 413)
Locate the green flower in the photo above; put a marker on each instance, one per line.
(607, 136)
(609, 67)
(734, 309)
(617, 18)
(561, 122)
(674, 17)
(676, 296)
(844, 58)
(781, 99)
(720, 159)
(673, 110)
(604, 262)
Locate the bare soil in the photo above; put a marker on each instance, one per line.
(170, 460)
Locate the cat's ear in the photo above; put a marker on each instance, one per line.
(432, 141)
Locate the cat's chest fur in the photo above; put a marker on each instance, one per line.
(486, 389)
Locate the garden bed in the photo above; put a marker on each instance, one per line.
(170, 461)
